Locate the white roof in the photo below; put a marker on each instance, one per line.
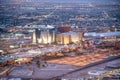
(102, 34)
(96, 72)
(49, 26)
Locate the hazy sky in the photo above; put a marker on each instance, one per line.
(64, 1)
(77, 1)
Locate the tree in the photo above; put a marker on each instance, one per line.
(38, 63)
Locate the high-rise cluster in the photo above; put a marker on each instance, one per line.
(60, 35)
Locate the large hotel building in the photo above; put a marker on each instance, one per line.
(62, 35)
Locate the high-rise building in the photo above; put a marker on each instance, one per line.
(59, 38)
(34, 39)
(69, 37)
(66, 39)
(44, 35)
(47, 37)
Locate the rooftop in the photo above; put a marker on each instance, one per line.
(106, 34)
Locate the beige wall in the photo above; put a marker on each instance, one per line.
(59, 39)
(68, 38)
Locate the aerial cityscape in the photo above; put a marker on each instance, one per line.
(59, 40)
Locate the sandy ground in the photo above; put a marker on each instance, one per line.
(51, 70)
(84, 73)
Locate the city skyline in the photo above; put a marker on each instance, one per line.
(59, 39)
